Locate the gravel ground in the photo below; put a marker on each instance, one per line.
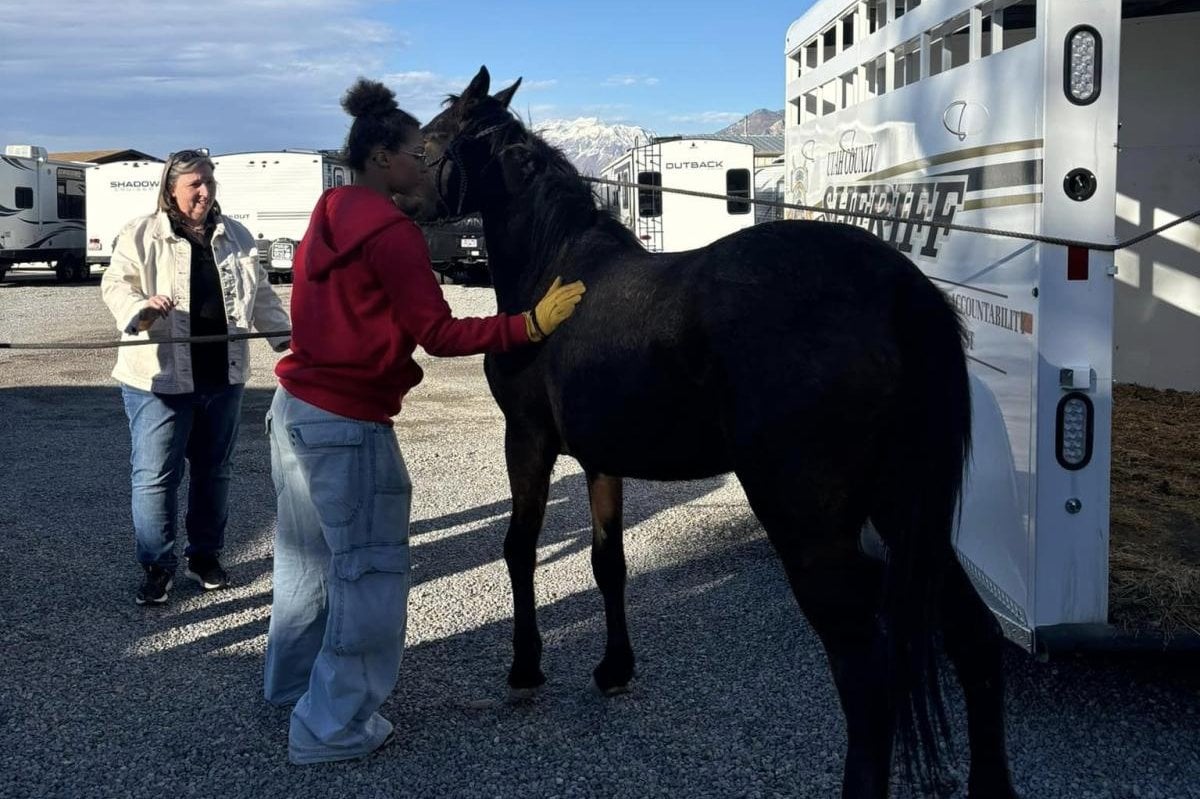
(99, 697)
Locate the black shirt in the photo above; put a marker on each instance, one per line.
(210, 361)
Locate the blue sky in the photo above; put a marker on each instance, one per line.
(160, 75)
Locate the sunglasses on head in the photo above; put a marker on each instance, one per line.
(189, 155)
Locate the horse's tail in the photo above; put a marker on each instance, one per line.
(916, 514)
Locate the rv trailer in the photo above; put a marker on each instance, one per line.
(666, 222)
(273, 194)
(41, 212)
(1057, 118)
(117, 193)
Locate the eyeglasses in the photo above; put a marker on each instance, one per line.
(189, 155)
(418, 153)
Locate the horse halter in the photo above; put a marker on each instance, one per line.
(453, 155)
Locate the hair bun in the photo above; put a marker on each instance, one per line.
(369, 98)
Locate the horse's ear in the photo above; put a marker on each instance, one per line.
(478, 87)
(505, 95)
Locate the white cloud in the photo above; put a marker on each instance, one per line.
(227, 74)
(630, 80)
(535, 85)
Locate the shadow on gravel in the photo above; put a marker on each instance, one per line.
(732, 695)
(568, 522)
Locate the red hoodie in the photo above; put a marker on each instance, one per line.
(364, 296)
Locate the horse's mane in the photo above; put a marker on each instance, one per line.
(556, 195)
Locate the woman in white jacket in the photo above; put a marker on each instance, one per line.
(184, 271)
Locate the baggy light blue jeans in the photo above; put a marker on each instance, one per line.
(164, 429)
(341, 578)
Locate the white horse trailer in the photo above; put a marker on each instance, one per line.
(1064, 118)
(273, 194)
(666, 222)
(41, 212)
(117, 193)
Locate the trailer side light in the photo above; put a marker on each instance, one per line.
(1073, 431)
(1081, 65)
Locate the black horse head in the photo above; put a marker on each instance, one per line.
(535, 206)
(468, 150)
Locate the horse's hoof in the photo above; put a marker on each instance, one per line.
(612, 680)
(518, 696)
(523, 678)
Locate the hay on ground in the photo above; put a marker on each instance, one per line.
(1154, 547)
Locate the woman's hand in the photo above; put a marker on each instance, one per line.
(156, 308)
(553, 309)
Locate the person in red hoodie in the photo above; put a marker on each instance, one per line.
(364, 296)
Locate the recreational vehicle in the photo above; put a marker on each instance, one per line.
(117, 193)
(41, 212)
(273, 194)
(768, 185)
(666, 222)
(1061, 118)
(458, 250)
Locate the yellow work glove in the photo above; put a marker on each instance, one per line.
(553, 309)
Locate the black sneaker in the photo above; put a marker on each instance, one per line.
(206, 570)
(155, 586)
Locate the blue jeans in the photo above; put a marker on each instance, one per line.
(164, 430)
(341, 578)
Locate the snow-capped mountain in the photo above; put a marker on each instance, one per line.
(757, 122)
(589, 143)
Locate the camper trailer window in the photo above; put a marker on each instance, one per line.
(24, 197)
(71, 205)
(649, 201)
(737, 184)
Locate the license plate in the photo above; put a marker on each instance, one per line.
(282, 253)
(468, 243)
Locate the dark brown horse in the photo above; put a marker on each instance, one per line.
(812, 360)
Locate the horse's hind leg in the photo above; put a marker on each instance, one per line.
(530, 456)
(838, 589)
(973, 641)
(605, 493)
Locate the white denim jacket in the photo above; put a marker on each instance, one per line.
(150, 258)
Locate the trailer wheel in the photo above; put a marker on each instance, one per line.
(71, 268)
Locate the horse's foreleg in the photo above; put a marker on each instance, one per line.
(530, 457)
(973, 641)
(608, 566)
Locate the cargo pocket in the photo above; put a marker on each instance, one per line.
(330, 454)
(369, 596)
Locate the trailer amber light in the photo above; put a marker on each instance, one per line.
(1073, 431)
(1081, 65)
